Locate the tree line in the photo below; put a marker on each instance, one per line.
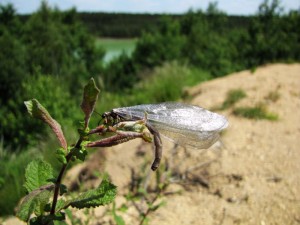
(132, 25)
(208, 41)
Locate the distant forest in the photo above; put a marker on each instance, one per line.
(128, 25)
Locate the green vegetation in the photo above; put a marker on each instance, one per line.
(55, 51)
(258, 112)
(167, 83)
(12, 177)
(209, 41)
(233, 96)
(51, 47)
(42, 204)
(119, 25)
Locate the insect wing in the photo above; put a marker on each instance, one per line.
(185, 124)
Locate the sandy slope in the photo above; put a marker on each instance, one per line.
(256, 178)
(253, 177)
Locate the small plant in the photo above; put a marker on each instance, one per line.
(47, 198)
(257, 112)
(143, 195)
(233, 96)
(148, 197)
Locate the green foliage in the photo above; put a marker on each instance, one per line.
(208, 45)
(50, 53)
(12, 177)
(34, 203)
(273, 36)
(120, 25)
(59, 45)
(167, 83)
(40, 182)
(257, 112)
(38, 173)
(208, 41)
(120, 74)
(162, 45)
(17, 128)
(102, 195)
(12, 64)
(233, 96)
(49, 42)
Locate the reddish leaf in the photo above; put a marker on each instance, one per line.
(90, 96)
(36, 110)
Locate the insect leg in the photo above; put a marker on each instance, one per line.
(119, 138)
(158, 146)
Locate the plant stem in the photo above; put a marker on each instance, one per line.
(149, 208)
(60, 176)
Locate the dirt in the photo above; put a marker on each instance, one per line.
(252, 176)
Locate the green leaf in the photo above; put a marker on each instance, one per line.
(36, 110)
(90, 96)
(80, 154)
(61, 155)
(41, 202)
(37, 173)
(63, 189)
(35, 201)
(104, 194)
(61, 203)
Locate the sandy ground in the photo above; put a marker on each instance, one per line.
(251, 177)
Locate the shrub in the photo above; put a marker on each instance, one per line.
(167, 83)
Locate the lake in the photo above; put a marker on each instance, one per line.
(114, 47)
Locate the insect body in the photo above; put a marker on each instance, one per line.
(185, 124)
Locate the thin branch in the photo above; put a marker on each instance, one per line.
(60, 176)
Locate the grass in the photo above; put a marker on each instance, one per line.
(258, 112)
(12, 178)
(166, 83)
(233, 96)
(114, 47)
(13, 164)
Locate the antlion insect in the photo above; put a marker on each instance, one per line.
(187, 125)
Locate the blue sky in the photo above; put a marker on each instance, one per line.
(233, 7)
